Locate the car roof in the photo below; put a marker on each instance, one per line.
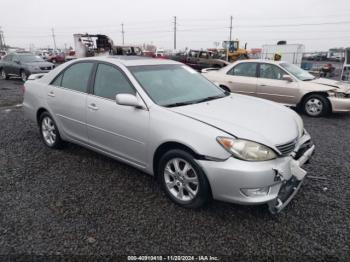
(261, 61)
(133, 60)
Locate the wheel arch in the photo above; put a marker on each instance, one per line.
(39, 112)
(165, 147)
(322, 93)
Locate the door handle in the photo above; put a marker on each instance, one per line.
(262, 85)
(51, 93)
(93, 107)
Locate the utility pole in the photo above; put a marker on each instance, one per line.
(54, 39)
(231, 18)
(229, 43)
(2, 40)
(174, 32)
(123, 32)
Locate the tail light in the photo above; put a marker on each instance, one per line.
(23, 88)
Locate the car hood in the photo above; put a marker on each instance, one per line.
(248, 118)
(40, 64)
(333, 84)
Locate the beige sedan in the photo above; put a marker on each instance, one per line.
(284, 83)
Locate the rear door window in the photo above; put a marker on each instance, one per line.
(270, 71)
(77, 76)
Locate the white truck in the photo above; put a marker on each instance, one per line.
(291, 53)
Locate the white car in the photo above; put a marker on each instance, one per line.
(284, 83)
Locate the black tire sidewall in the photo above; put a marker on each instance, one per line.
(325, 107)
(20, 74)
(58, 142)
(3, 70)
(203, 196)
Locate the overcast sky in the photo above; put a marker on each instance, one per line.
(319, 25)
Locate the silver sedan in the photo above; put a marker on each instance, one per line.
(167, 120)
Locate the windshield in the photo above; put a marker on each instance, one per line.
(30, 58)
(175, 85)
(297, 72)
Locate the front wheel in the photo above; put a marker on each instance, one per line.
(3, 74)
(23, 75)
(316, 105)
(183, 180)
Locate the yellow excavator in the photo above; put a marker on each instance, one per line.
(234, 51)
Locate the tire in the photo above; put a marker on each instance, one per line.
(49, 131)
(3, 75)
(189, 189)
(23, 75)
(316, 105)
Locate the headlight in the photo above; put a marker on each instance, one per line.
(246, 150)
(337, 94)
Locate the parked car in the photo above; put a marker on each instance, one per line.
(169, 121)
(199, 60)
(57, 58)
(284, 83)
(23, 64)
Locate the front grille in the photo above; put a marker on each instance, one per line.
(287, 149)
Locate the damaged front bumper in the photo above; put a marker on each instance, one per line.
(273, 182)
(291, 186)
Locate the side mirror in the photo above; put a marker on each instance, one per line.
(128, 100)
(287, 78)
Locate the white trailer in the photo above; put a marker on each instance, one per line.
(291, 53)
(345, 75)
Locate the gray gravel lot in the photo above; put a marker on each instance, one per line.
(77, 202)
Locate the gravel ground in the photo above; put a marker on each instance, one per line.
(77, 202)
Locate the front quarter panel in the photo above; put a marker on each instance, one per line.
(168, 126)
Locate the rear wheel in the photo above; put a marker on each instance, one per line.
(183, 180)
(3, 74)
(49, 131)
(316, 105)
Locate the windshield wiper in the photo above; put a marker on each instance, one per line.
(179, 104)
(210, 98)
(309, 79)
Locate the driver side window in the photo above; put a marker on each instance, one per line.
(271, 72)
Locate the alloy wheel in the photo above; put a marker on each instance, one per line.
(314, 106)
(48, 131)
(181, 180)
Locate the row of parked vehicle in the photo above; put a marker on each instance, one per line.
(23, 64)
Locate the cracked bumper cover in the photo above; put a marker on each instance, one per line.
(282, 176)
